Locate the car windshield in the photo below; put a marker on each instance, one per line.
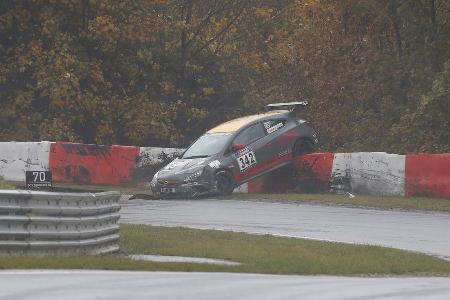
(207, 145)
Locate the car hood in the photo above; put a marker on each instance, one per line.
(180, 165)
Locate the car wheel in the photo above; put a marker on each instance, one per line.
(224, 182)
(302, 146)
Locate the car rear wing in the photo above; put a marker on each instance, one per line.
(292, 106)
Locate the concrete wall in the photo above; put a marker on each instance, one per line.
(370, 173)
(18, 157)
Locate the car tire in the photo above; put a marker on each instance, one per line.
(224, 182)
(302, 146)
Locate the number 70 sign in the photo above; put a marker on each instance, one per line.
(38, 179)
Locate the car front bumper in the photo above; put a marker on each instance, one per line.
(191, 189)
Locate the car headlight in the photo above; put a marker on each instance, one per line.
(194, 176)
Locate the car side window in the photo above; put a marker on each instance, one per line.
(274, 125)
(250, 134)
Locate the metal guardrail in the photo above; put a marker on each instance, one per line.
(46, 223)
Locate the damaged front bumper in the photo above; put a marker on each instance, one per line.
(191, 189)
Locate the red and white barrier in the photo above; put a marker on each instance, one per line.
(150, 160)
(92, 164)
(365, 173)
(372, 173)
(428, 175)
(18, 157)
(313, 171)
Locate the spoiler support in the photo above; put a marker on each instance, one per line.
(292, 105)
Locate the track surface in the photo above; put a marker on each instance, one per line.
(56, 285)
(415, 231)
(425, 232)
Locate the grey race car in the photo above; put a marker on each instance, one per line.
(237, 151)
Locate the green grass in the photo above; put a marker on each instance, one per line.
(71, 187)
(258, 253)
(5, 185)
(405, 203)
(393, 202)
(82, 188)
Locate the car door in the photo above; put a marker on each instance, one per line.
(255, 152)
(275, 128)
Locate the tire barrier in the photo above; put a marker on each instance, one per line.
(43, 223)
(372, 173)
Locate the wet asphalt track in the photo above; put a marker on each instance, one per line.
(68, 285)
(415, 231)
(425, 232)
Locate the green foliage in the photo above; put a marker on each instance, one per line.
(4, 185)
(161, 72)
(427, 129)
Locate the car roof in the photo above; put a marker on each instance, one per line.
(236, 124)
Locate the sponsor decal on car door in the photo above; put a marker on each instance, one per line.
(250, 156)
(254, 158)
(265, 150)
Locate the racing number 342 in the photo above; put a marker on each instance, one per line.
(247, 160)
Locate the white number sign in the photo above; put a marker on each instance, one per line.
(246, 159)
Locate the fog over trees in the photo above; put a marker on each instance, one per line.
(161, 72)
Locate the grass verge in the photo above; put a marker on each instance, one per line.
(258, 253)
(85, 188)
(405, 203)
(402, 203)
(5, 185)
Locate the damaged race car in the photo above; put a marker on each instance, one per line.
(237, 151)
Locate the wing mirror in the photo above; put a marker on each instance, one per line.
(237, 147)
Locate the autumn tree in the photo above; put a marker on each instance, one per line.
(161, 72)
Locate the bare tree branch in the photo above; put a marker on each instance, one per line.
(219, 34)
